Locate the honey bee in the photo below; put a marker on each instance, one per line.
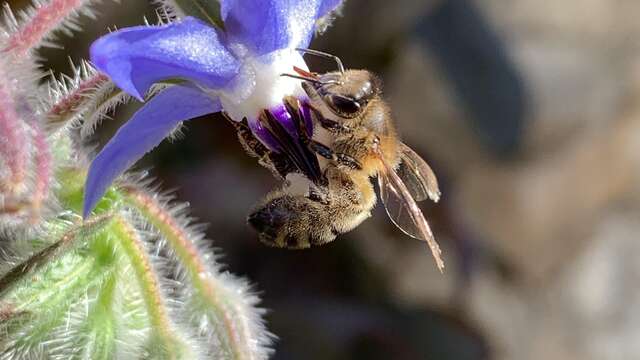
(357, 139)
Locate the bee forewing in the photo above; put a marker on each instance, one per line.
(404, 211)
(417, 175)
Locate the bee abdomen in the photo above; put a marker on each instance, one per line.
(293, 222)
(269, 221)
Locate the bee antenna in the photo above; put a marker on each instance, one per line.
(324, 55)
(299, 77)
(310, 79)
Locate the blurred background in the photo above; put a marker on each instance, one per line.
(528, 111)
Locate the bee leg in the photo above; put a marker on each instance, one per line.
(316, 115)
(278, 164)
(349, 161)
(340, 158)
(311, 92)
(331, 125)
(294, 109)
(321, 149)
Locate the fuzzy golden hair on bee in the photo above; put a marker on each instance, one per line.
(297, 221)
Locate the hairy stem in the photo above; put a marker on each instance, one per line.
(237, 331)
(44, 19)
(70, 103)
(156, 308)
(12, 143)
(100, 324)
(43, 169)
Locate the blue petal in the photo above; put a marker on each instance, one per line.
(143, 132)
(268, 25)
(136, 57)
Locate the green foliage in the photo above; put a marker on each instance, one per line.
(207, 10)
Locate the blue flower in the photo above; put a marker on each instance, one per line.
(237, 70)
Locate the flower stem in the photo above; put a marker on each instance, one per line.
(44, 19)
(43, 170)
(101, 324)
(12, 144)
(69, 104)
(238, 334)
(150, 288)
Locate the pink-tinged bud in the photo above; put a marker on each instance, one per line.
(70, 102)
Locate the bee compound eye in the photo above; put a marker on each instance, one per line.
(344, 104)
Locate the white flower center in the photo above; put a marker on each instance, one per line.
(260, 85)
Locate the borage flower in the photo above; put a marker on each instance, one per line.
(236, 70)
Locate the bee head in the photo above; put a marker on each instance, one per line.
(347, 94)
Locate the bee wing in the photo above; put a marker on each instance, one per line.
(417, 175)
(404, 211)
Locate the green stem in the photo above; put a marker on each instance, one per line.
(149, 286)
(236, 328)
(100, 326)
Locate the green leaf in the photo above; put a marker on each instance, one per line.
(48, 306)
(207, 10)
(41, 261)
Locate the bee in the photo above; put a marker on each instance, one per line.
(357, 140)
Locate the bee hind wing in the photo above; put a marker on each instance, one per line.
(405, 213)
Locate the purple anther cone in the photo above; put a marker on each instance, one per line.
(287, 121)
(263, 134)
(306, 112)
